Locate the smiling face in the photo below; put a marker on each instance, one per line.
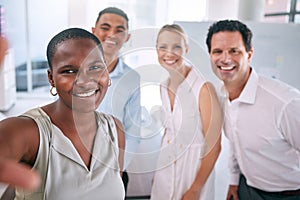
(229, 59)
(171, 48)
(79, 74)
(112, 30)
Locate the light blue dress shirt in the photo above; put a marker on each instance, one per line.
(123, 100)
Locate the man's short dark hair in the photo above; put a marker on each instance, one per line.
(232, 26)
(113, 10)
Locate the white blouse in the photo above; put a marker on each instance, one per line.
(182, 146)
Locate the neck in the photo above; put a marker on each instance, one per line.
(177, 76)
(111, 61)
(112, 65)
(235, 89)
(66, 118)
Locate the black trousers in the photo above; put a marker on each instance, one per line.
(246, 192)
(125, 180)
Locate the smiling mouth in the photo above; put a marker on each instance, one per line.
(110, 42)
(85, 94)
(170, 62)
(228, 68)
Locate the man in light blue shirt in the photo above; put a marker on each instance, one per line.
(123, 96)
(123, 101)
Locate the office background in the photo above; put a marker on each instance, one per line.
(29, 25)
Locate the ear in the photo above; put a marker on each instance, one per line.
(186, 49)
(50, 77)
(93, 30)
(128, 37)
(250, 54)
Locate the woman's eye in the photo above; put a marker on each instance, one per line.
(98, 67)
(162, 48)
(69, 71)
(94, 67)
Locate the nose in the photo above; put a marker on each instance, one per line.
(111, 33)
(170, 52)
(225, 57)
(91, 76)
(82, 77)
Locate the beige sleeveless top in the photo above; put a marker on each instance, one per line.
(64, 175)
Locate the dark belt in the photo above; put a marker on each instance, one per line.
(282, 193)
(287, 192)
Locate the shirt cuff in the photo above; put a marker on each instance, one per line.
(234, 179)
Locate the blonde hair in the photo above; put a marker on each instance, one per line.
(173, 28)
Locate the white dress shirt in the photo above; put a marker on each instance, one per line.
(263, 127)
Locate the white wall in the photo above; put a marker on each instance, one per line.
(45, 18)
(251, 10)
(276, 49)
(220, 9)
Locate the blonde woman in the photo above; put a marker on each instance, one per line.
(192, 121)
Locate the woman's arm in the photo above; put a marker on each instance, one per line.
(3, 48)
(212, 121)
(19, 140)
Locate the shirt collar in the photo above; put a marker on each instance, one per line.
(119, 69)
(249, 92)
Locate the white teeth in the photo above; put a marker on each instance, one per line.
(110, 42)
(227, 68)
(86, 94)
(170, 62)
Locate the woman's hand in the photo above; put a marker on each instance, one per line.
(191, 195)
(18, 175)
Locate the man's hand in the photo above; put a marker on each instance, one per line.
(232, 193)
